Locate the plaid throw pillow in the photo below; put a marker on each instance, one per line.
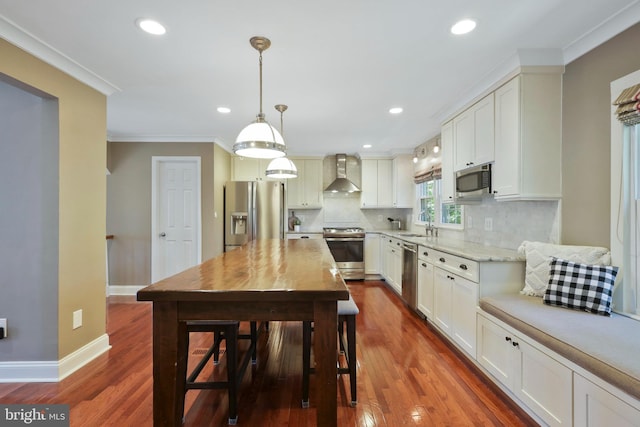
(581, 286)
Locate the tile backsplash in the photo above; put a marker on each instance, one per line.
(511, 222)
(343, 210)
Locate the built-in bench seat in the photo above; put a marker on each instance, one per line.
(608, 347)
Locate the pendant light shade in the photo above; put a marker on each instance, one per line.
(281, 167)
(260, 139)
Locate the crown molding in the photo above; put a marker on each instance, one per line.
(41, 50)
(604, 31)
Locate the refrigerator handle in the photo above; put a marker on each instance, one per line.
(253, 211)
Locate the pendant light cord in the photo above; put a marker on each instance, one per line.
(260, 61)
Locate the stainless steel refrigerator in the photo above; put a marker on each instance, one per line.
(253, 210)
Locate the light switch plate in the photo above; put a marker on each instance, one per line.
(77, 319)
(488, 224)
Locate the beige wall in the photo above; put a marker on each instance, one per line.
(129, 204)
(82, 159)
(586, 134)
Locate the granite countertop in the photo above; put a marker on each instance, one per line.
(473, 251)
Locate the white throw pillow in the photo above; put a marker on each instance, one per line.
(538, 255)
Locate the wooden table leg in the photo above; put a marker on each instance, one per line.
(325, 350)
(165, 359)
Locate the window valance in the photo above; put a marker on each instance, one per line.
(628, 111)
(428, 175)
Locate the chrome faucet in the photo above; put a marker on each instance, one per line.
(429, 229)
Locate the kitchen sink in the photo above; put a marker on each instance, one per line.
(411, 235)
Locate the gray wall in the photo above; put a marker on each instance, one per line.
(586, 134)
(129, 206)
(28, 224)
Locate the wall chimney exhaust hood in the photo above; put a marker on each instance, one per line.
(341, 184)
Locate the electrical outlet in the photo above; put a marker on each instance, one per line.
(488, 224)
(77, 319)
(469, 222)
(3, 324)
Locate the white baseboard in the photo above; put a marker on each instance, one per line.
(76, 360)
(53, 371)
(123, 290)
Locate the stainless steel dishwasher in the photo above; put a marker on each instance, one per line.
(410, 274)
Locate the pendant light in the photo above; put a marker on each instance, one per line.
(281, 167)
(260, 139)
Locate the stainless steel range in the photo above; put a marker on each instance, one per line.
(347, 247)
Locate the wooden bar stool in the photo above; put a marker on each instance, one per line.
(227, 330)
(347, 311)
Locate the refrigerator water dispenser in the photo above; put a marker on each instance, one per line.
(239, 223)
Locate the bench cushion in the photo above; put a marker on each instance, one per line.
(608, 347)
(347, 307)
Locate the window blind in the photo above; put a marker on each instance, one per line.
(628, 102)
(428, 175)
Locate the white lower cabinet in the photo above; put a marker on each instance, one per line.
(425, 283)
(595, 406)
(463, 316)
(372, 253)
(392, 261)
(442, 298)
(455, 301)
(539, 381)
(455, 298)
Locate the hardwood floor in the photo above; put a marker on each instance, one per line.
(407, 375)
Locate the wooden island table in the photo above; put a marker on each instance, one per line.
(262, 280)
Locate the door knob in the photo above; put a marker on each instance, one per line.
(163, 234)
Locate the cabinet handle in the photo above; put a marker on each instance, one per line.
(450, 277)
(463, 267)
(507, 339)
(304, 237)
(398, 243)
(442, 259)
(515, 344)
(425, 253)
(424, 264)
(495, 191)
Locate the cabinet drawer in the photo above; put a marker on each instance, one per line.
(426, 254)
(457, 265)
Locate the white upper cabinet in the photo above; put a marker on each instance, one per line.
(528, 138)
(403, 186)
(377, 183)
(249, 169)
(387, 183)
(446, 149)
(473, 134)
(305, 191)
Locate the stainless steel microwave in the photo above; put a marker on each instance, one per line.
(474, 182)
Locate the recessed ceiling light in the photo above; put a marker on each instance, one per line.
(463, 27)
(150, 26)
(366, 146)
(395, 110)
(224, 110)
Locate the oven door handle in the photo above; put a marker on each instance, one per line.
(344, 239)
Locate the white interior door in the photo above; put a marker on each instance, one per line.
(176, 218)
